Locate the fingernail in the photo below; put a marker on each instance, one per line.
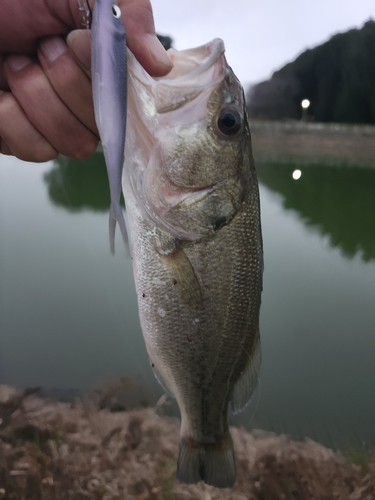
(158, 51)
(77, 33)
(79, 42)
(52, 48)
(16, 63)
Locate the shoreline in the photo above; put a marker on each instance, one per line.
(53, 450)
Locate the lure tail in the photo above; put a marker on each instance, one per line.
(116, 215)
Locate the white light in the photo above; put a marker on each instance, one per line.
(296, 174)
(305, 103)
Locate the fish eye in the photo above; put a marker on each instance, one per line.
(229, 121)
(116, 11)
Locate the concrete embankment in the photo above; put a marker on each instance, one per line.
(299, 142)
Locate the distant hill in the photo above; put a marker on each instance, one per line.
(338, 77)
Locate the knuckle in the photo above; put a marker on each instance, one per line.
(19, 137)
(35, 83)
(39, 152)
(85, 148)
(4, 148)
(8, 105)
(44, 154)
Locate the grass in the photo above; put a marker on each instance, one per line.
(358, 456)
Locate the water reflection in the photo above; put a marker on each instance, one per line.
(68, 309)
(340, 202)
(79, 184)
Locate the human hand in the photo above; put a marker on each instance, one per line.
(45, 92)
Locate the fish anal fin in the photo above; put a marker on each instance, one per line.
(247, 381)
(212, 463)
(161, 379)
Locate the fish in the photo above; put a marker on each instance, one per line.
(109, 87)
(192, 203)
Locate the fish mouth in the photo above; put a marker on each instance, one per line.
(190, 64)
(194, 72)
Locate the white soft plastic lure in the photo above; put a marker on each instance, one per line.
(109, 83)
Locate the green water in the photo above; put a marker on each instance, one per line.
(68, 312)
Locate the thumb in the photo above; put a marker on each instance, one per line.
(79, 42)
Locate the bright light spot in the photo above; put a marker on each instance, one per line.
(305, 103)
(296, 174)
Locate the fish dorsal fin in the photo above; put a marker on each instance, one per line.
(247, 382)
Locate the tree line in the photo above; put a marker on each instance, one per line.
(338, 78)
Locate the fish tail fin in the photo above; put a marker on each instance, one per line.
(212, 463)
(116, 215)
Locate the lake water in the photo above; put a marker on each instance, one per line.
(68, 312)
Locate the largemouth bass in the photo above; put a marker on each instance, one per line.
(109, 84)
(192, 203)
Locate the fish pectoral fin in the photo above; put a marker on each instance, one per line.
(162, 380)
(247, 382)
(184, 276)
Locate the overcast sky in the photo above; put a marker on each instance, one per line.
(260, 36)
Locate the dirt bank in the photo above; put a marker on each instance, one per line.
(313, 142)
(53, 450)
